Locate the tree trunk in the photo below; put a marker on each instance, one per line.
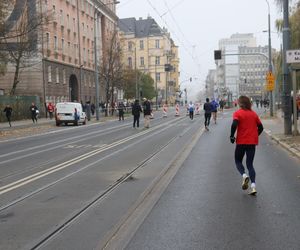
(16, 77)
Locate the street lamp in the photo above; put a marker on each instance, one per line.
(96, 16)
(270, 56)
(286, 97)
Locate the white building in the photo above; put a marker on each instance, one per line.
(228, 68)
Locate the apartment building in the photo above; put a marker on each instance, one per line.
(228, 67)
(253, 69)
(150, 49)
(63, 68)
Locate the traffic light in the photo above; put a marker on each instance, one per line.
(218, 54)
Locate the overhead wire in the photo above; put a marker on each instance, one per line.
(172, 31)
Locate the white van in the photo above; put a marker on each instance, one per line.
(69, 112)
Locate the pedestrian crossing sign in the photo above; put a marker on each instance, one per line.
(270, 81)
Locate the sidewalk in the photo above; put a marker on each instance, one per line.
(274, 127)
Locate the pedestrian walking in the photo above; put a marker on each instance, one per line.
(147, 112)
(50, 109)
(191, 109)
(34, 112)
(214, 110)
(136, 111)
(207, 113)
(222, 104)
(121, 108)
(93, 108)
(249, 127)
(8, 112)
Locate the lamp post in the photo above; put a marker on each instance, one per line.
(270, 56)
(96, 16)
(286, 95)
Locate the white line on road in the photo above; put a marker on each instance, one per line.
(38, 175)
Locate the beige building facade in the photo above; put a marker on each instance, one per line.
(64, 66)
(149, 49)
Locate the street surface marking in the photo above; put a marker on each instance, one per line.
(38, 175)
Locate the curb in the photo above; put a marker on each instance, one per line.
(283, 144)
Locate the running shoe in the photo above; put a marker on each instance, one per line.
(245, 183)
(252, 191)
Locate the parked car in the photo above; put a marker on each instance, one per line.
(69, 112)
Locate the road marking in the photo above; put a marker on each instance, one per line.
(43, 173)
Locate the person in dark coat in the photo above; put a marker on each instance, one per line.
(8, 112)
(93, 108)
(121, 108)
(136, 111)
(147, 112)
(34, 112)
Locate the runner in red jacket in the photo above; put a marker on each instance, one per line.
(249, 127)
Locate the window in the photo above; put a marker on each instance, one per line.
(48, 40)
(68, 21)
(55, 42)
(64, 76)
(130, 62)
(62, 45)
(61, 17)
(141, 44)
(49, 74)
(57, 74)
(157, 77)
(74, 24)
(130, 46)
(157, 44)
(157, 60)
(142, 61)
(69, 48)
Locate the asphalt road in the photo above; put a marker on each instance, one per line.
(204, 206)
(71, 187)
(173, 186)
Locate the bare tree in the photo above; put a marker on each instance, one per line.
(20, 42)
(111, 69)
(3, 13)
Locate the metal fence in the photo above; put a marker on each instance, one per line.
(20, 106)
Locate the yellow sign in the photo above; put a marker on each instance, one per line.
(270, 81)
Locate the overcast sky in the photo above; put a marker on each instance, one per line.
(196, 26)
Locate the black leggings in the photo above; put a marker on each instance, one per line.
(239, 154)
(207, 119)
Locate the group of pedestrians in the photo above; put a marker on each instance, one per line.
(33, 112)
(137, 110)
(210, 109)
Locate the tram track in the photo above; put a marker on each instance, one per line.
(98, 198)
(29, 179)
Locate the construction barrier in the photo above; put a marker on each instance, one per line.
(197, 109)
(165, 110)
(177, 110)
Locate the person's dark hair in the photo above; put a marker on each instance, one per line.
(245, 102)
(207, 99)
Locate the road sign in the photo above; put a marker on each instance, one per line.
(293, 56)
(270, 81)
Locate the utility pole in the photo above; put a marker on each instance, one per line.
(286, 95)
(270, 57)
(96, 18)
